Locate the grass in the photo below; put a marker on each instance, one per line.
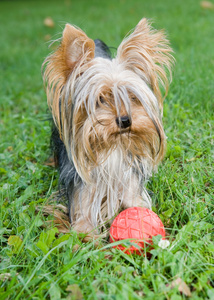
(38, 263)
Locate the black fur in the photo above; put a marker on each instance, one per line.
(102, 50)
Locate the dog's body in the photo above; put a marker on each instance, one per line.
(108, 136)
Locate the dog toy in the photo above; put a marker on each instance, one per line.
(139, 224)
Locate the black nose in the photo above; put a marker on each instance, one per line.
(123, 122)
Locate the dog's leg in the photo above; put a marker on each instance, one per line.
(81, 215)
(136, 197)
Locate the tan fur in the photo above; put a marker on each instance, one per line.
(60, 214)
(75, 46)
(153, 56)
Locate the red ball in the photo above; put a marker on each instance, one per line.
(138, 223)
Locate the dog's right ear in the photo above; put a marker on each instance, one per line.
(75, 49)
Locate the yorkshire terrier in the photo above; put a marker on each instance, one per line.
(108, 134)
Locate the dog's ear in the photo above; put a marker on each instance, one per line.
(146, 51)
(75, 50)
(75, 47)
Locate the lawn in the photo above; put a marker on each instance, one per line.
(37, 262)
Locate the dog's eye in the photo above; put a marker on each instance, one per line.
(133, 98)
(101, 100)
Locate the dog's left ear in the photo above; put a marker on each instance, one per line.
(146, 51)
(75, 50)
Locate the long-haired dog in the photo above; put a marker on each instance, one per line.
(108, 135)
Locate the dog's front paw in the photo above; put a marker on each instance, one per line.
(142, 200)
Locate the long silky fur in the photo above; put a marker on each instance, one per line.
(102, 167)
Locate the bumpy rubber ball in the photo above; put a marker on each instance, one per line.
(139, 224)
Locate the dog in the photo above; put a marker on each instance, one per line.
(108, 137)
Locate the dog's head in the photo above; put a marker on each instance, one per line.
(100, 104)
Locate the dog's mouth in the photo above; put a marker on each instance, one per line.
(123, 131)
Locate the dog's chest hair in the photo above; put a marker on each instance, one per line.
(119, 171)
(117, 181)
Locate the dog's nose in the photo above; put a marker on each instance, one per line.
(123, 122)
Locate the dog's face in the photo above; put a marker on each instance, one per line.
(100, 105)
(113, 108)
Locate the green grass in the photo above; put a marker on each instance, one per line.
(43, 265)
